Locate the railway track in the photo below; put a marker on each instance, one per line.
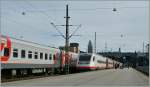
(22, 78)
(27, 77)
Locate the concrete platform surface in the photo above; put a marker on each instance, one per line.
(110, 77)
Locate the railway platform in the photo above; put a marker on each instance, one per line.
(110, 77)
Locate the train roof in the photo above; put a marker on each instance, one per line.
(27, 42)
(89, 54)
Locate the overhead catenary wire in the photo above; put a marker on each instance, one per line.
(61, 34)
(33, 7)
(84, 9)
(20, 23)
(51, 19)
(17, 21)
(42, 12)
(75, 31)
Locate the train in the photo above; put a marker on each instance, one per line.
(20, 57)
(92, 61)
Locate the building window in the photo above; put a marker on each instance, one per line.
(6, 52)
(15, 52)
(41, 55)
(36, 55)
(23, 53)
(50, 56)
(46, 56)
(29, 54)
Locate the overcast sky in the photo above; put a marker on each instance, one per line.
(130, 20)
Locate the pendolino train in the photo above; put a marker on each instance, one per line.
(24, 57)
(91, 61)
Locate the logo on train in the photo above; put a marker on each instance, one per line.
(5, 49)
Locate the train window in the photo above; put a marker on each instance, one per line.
(46, 56)
(50, 56)
(41, 55)
(6, 51)
(85, 58)
(15, 52)
(93, 58)
(29, 54)
(36, 55)
(23, 52)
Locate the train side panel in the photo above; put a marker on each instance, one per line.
(24, 55)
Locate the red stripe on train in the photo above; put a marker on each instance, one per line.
(87, 67)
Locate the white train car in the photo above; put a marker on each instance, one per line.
(24, 56)
(91, 61)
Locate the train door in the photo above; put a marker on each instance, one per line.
(57, 61)
(62, 60)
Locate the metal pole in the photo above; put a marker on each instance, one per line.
(67, 41)
(66, 37)
(95, 42)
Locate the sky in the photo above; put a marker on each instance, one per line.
(126, 28)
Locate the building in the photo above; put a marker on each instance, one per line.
(74, 47)
(90, 47)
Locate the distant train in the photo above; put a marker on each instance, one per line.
(91, 61)
(20, 56)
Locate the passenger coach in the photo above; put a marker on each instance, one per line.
(24, 57)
